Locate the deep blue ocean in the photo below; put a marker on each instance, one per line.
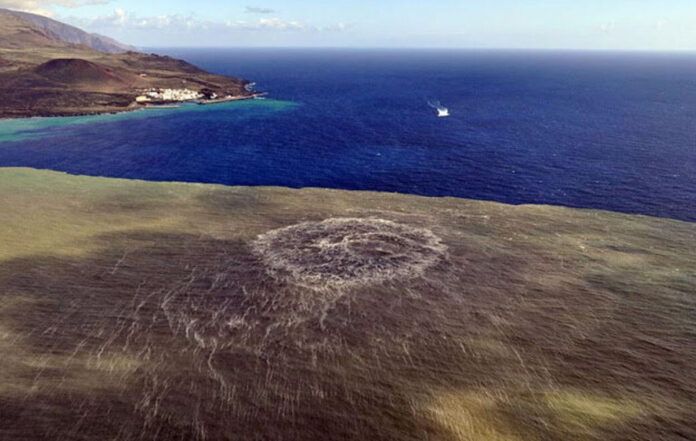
(597, 130)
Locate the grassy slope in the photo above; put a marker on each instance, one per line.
(543, 323)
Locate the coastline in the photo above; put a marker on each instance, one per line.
(132, 108)
(36, 127)
(205, 102)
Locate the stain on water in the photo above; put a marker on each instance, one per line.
(208, 313)
(595, 130)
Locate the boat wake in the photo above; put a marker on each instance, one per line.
(442, 111)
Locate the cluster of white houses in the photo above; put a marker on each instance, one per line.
(178, 95)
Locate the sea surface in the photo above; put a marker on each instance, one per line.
(614, 131)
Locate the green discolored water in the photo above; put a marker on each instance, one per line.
(133, 310)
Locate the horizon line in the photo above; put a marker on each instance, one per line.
(433, 48)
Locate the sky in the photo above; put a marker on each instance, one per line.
(667, 25)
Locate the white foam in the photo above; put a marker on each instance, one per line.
(341, 252)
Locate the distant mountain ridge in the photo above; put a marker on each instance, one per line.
(34, 28)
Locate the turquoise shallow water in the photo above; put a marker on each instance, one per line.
(41, 127)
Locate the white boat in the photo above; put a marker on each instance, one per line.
(442, 111)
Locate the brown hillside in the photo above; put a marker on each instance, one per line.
(16, 33)
(49, 69)
(77, 72)
(67, 34)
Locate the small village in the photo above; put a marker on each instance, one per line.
(175, 95)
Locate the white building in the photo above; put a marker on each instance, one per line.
(172, 95)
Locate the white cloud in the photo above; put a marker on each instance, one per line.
(277, 24)
(258, 10)
(122, 19)
(43, 6)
